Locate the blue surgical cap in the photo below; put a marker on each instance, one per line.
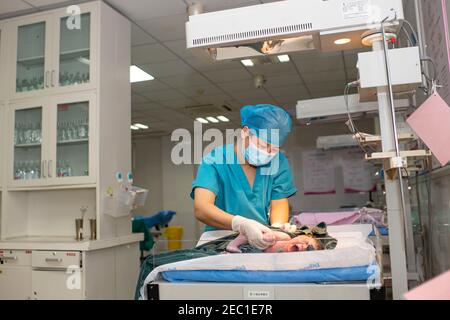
(262, 118)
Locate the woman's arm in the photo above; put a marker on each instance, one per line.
(208, 213)
(279, 211)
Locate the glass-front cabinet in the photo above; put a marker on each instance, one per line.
(28, 163)
(53, 53)
(73, 142)
(53, 142)
(32, 55)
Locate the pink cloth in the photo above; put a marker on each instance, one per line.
(435, 289)
(330, 218)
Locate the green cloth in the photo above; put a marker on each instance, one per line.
(219, 246)
(138, 226)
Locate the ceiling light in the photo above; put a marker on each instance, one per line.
(284, 58)
(201, 120)
(141, 126)
(139, 75)
(134, 128)
(223, 119)
(247, 62)
(212, 119)
(342, 41)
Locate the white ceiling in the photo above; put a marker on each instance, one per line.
(182, 80)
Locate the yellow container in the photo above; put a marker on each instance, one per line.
(174, 236)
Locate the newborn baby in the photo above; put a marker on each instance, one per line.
(282, 242)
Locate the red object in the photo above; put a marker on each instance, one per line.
(394, 40)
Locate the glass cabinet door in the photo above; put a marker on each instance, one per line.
(28, 144)
(74, 50)
(72, 150)
(30, 68)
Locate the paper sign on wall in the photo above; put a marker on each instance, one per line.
(358, 174)
(318, 172)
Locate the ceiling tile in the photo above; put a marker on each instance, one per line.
(166, 28)
(179, 47)
(137, 98)
(139, 36)
(255, 93)
(207, 65)
(152, 53)
(218, 99)
(179, 103)
(278, 69)
(228, 75)
(186, 81)
(10, 6)
(288, 91)
(215, 5)
(280, 81)
(148, 9)
(164, 95)
(328, 76)
(43, 3)
(237, 86)
(146, 106)
(149, 86)
(317, 88)
(200, 91)
(167, 69)
(318, 64)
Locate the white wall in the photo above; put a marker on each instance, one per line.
(147, 169)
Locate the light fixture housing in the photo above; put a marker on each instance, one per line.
(139, 75)
(270, 29)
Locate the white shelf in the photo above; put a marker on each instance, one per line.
(32, 61)
(28, 145)
(70, 54)
(77, 141)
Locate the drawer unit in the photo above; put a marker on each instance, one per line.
(55, 259)
(15, 258)
(15, 274)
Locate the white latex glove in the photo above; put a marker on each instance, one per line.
(291, 228)
(253, 231)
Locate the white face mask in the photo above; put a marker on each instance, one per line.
(257, 157)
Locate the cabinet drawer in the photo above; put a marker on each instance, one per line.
(55, 259)
(15, 257)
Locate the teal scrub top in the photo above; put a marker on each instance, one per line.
(232, 189)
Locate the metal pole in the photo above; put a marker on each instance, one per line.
(394, 196)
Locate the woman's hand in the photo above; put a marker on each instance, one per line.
(258, 235)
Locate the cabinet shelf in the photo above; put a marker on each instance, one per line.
(28, 145)
(70, 54)
(65, 55)
(76, 141)
(30, 61)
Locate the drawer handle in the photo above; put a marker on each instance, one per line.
(53, 260)
(9, 258)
